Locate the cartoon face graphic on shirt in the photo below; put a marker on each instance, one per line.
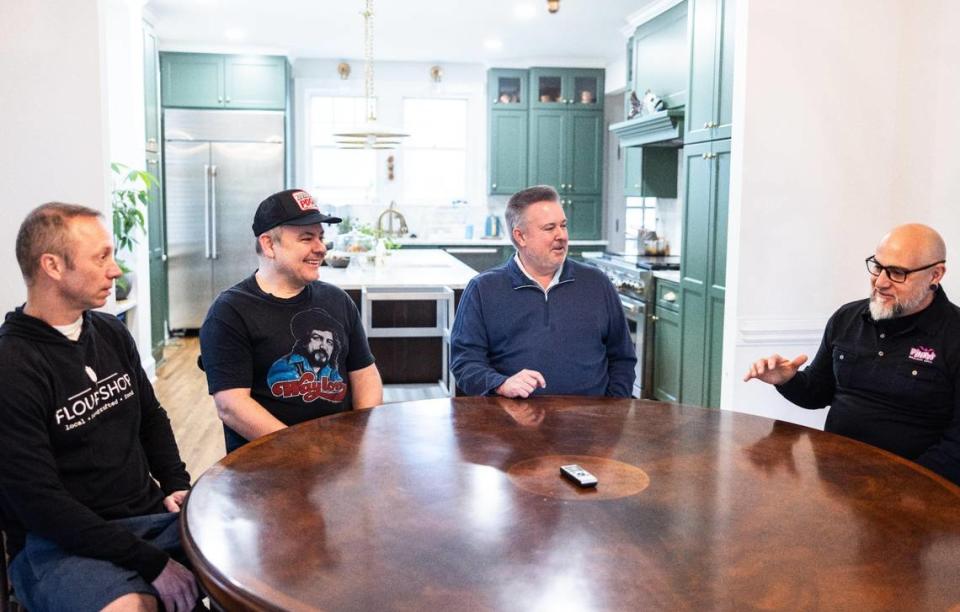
(310, 370)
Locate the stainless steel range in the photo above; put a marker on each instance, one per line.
(632, 275)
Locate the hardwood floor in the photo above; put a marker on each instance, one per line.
(182, 390)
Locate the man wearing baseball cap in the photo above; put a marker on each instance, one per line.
(282, 347)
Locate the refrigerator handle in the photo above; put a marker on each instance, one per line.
(206, 211)
(213, 211)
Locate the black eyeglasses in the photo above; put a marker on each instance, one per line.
(895, 274)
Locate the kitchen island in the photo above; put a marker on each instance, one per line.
(407, 357)
(401, 268)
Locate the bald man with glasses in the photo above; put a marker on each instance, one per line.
(889, 365)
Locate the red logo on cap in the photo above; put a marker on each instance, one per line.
(304, 201)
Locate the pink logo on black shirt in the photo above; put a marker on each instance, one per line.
(922, 353)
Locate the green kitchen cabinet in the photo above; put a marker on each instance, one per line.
(650, 172)
(157, 245)
(151, 91)
(710, 87)
(666, 342)
(507, 89)
(570, 88)
(256, 82)
(508, 156)
(566, 150)
(207, 80)
(584, 216)
(703, 270)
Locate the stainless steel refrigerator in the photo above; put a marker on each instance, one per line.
(218, 166)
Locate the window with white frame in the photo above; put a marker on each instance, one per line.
(339, 176)
(434, 162)
(641, 214)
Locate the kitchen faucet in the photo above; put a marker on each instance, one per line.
(390, 213)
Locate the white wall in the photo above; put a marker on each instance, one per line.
(71, 101)
(122, 34)
(834, 113)
(929, 89)
(52, 117)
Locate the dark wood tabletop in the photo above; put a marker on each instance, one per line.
(458, 505)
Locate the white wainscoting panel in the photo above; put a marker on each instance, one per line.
(757, 338)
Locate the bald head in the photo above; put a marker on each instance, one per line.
(915, 244)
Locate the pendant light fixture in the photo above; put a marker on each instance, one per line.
(370, 135)
(553, 5)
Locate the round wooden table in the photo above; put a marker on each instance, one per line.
(459, 505)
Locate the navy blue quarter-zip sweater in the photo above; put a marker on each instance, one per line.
(81, 435)
(575, 334)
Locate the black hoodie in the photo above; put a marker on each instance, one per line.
(81, 435)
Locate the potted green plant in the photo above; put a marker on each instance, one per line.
(131, 193)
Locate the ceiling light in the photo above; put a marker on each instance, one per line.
(493, 44)
(553, 5)
(524, 11)
(371, 135)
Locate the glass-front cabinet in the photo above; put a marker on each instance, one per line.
(566, 87)
(508, 89)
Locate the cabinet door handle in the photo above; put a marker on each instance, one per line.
(706, 125)
(219, 100)
(670, 296)
(654, 318)
(228, 99)
(494, 186)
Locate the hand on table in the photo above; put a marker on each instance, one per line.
(522, 384)
(173, 501)
(177, 588)
(775, 370)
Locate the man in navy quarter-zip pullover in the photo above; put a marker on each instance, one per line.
(541, 323)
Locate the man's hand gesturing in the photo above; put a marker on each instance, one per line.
(522, 384)
(775, 370)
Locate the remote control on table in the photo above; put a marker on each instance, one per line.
(577, 474)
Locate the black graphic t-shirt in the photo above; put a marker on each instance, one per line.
(293, 354)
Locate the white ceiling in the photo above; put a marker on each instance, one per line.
(582, 33)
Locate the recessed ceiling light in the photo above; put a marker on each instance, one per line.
(234, 34)
(524, 11)
(493, 44)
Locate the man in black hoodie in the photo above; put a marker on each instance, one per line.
(84, 441)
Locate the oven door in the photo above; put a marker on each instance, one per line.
(636, 314)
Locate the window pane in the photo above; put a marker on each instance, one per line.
(434, 177)
(339, 176)
(433, 122)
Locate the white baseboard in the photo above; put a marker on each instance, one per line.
(774, 332)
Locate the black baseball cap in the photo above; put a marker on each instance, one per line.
(290, 207)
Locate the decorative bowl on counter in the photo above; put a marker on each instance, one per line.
(355, 242)
(337, 259)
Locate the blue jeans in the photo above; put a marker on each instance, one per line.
(45, 577)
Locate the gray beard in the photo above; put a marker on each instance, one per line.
(879, 312)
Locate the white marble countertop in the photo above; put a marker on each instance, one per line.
(402, 268)
(670, 275)
(482, 242)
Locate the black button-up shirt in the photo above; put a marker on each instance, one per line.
(894, 384)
